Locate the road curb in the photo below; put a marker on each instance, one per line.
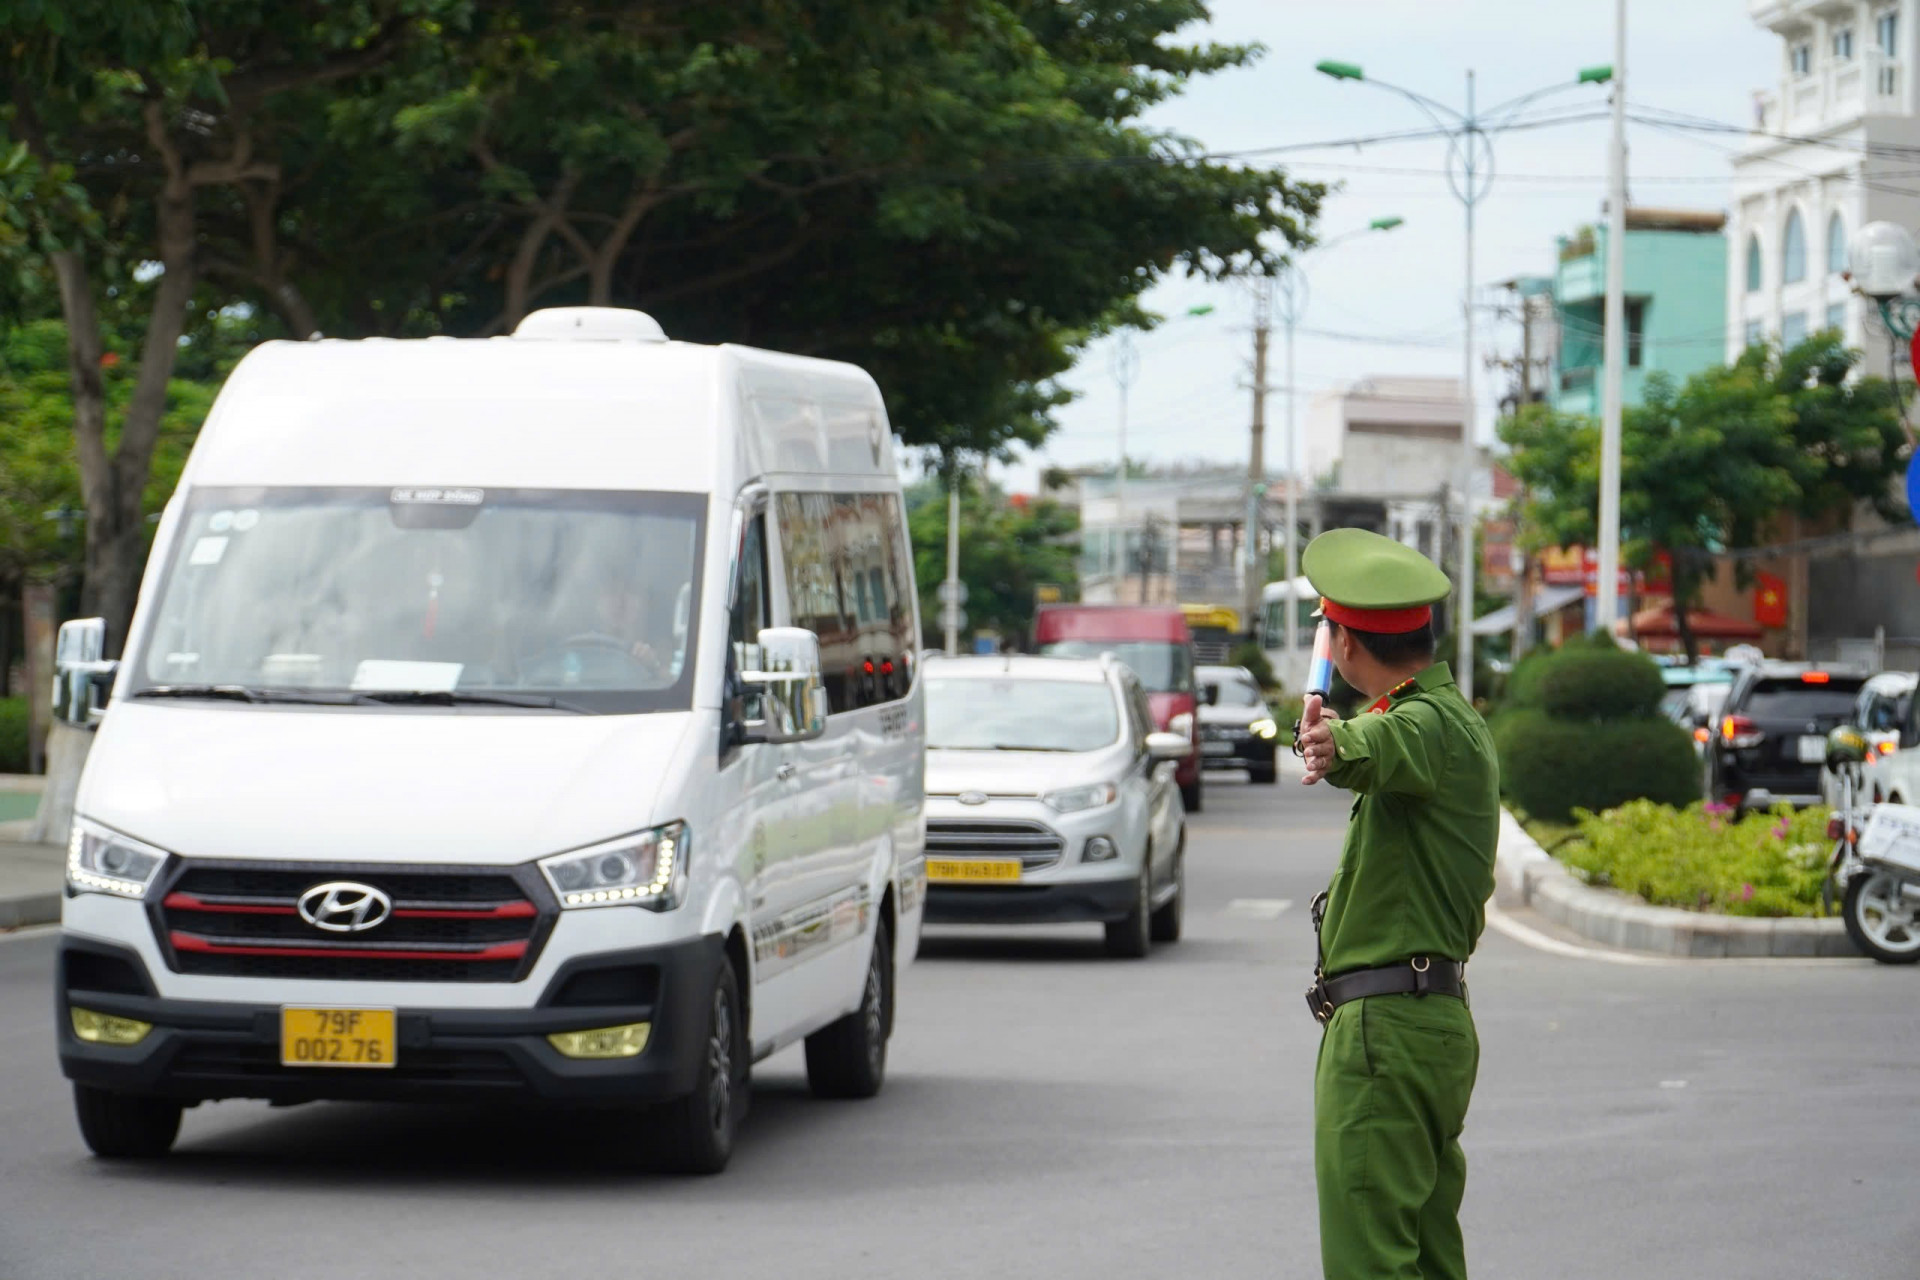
(18, 910)
(1527, 875)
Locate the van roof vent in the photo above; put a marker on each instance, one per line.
(590, 324)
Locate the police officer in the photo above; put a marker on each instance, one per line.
(1399, 1054)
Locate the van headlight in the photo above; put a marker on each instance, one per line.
(1074, 799)
(644, 870)
(103, 861)
(1264, 728)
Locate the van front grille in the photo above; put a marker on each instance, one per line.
(460, 924)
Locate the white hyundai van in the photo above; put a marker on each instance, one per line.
(532, 718)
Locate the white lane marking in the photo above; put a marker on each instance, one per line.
(28, 931)
(1259, 908)
(1526, 935)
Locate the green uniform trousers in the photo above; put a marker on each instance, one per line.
(1390, 1094)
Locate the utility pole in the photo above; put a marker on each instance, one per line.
(1523, 584)
(1125, 364)
(1254, 577)
(950, 605)
(1614, 339)
(1469, 453)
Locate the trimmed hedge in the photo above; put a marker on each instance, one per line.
(13, 735)
(1601, 684)
(1551, 766)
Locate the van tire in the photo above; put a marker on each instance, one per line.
(1132, 938)
(125, 1126)
(696, 1132)
(848, 1058)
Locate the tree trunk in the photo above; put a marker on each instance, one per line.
(1686, 587)
(112, 486)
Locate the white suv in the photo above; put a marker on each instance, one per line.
(1052, 800)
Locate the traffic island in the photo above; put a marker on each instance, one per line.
(1527, 875)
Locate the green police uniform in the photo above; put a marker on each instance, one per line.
(1396, 1071)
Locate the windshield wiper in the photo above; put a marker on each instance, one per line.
(453, 698)
(242, 693)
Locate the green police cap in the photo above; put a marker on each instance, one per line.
(1373, 583)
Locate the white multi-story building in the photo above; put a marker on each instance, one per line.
(1825, 156)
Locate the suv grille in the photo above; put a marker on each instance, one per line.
(1034, 843)
(460, 924)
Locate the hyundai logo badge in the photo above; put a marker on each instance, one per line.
(341, 906)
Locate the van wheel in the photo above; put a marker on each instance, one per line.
(848, 1058)
(1190, 795)
(125, 1126)
(1132, 938)
(697, 1130)
(1165, 925)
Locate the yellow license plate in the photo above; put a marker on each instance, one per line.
(971, 870)
(337, 1037)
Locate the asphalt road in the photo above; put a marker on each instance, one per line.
(1051, 1113)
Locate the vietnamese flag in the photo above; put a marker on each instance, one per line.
(1770, 601)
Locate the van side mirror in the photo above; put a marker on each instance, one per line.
(787, 686)
(1209, 695)
(82, 675)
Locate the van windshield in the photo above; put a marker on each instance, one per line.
(589, 598)
(1162, 666)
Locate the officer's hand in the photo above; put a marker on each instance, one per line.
(1316, 745)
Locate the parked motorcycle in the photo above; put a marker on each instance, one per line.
(1875, 868)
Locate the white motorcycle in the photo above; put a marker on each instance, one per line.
(1875, 868)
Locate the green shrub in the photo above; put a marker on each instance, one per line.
(1765, 865)
(1521, 688)
(13, 735)
(1551, 766)
(1589, 683)
(1249, 654)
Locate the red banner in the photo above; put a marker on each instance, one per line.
(1770, 601)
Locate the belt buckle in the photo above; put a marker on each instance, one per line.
(1317, 1002)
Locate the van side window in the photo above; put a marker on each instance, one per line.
(751, 615)
(850, 585)
(810, 546)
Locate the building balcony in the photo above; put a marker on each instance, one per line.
(1834, 94)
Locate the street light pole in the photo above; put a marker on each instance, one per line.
(1125, 363)
(1293, 293)
(1613, 340)
(1468, 140)
(1463, 582)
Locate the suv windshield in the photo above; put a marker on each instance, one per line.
(1235, 690)
(1793, 700)
(1162, 667)
(1021, 715)
(590, 598)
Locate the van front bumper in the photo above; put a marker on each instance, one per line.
(202, 1050)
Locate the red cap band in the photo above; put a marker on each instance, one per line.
(1388, 622)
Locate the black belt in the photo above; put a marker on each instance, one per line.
(1419, 976)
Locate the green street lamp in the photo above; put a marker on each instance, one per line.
(1470, 175)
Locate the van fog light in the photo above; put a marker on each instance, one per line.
(105, 1028)
(1100, 849)
(603, 1042)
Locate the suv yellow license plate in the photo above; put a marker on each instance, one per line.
(337, 1037)
(972, 870)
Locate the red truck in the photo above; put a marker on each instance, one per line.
(1154, 641)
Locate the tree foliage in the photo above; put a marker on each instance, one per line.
(1714, 463)
(952, 193)
(1007, 550)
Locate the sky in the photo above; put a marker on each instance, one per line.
(1389, 303)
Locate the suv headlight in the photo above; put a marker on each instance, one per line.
(1264, 728)
(103, 861)
(644, 870)
(1074, 799)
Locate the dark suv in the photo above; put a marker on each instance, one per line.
(1770, 737)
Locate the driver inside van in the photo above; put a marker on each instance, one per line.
(624, 641)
